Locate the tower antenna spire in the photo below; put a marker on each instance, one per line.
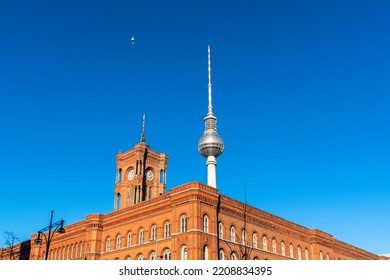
(210, 145)
(143, 139)
(210, 108)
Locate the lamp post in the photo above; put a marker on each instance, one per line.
(52, 229)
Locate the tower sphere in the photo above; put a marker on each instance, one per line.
(210, 144)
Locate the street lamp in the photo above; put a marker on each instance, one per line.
(52, 228)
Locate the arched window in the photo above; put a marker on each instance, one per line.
(291, 251)
(153, 256)
(205, 252)
(254, 240)
(232, 234)
(299, 253)
(120, 175)
(141, 236)
(81, 249)
(118, 201)
(161, 176)
(327, 257)
(167, 230)
(273, 246)
(72, 252)
(141, 257)
(128, 258)
(243, 237)
(153, 233)
(233, 256)
(108, 244)
(220, 230)
(184, 253)
(205, 223)
(183, 223)
(283, 247)
(321, 256)
(264, 243)
(118, 241)
(306, 254)
(129, 239)
(76, 254)
(167, 255)
(221, 254)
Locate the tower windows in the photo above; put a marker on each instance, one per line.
(299, 253)
(243, 237)
(184, 253)
(119, 178)
(162, 179)
(221, 254)
(183, 223)
(232, 234)
(108, 244)
(129, 239)
(118, 201)
(167, 230)
(118, 241)
(254, 240)
(205, 252)
(205, 223)
(220, 230)
(153, 233)
(291, 251)
(167, 255)
(264, 243)
(283, 247)
(273, 246)
(141, 236)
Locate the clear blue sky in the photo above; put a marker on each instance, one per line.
(301, 90)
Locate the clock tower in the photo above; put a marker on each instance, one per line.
(140, 174)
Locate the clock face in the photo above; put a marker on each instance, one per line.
(149, 175)
(131, 175)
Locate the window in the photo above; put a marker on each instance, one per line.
(264, 243)
(321, 256)
(254, 240)
(184, 253)
(233, 256)
(291, 251)
(283, 248)
(81, 249)
(205, 223)
(141, 236)
(153, 233)
(220, 230)
(161, 176)
(118, 241)
(141, 257)
(119, 175)
(118, 202)
(128, 258)
(232, 234)
(273, 246)
(205, 252)
(167, 255)
(129, 239)
(306, 254)
(167, 230)
(108, 244)
(153, 256)
(221, 255)
(183, 223)
(299, 253)
(243, 237)
(327, 257)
